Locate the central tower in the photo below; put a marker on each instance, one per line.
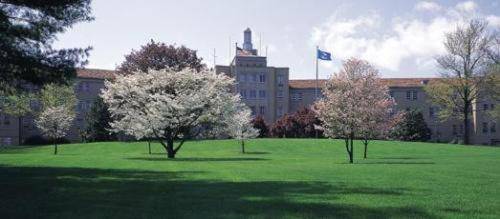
(247, 40)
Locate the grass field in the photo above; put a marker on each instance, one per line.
(292, 178)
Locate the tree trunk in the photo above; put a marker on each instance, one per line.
(149, 146)
(170, 148)
(19, 131)
(347, 147)
(243, 146)
(466, 123)
(55, 147)
(366, 147)
(351, 154)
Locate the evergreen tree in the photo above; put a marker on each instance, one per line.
(412, 127)
(27, 30)
(98, 121)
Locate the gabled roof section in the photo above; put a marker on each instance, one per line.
(390, 82)
(95, 73)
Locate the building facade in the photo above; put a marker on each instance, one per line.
(270, 93)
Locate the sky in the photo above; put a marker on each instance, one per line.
(400, 38)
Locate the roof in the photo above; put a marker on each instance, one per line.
(95, 73)
(390, 82)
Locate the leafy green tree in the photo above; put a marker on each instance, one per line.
(411, 127)
(470, 50)
(17, 105)
(98, 121)
(27, 30)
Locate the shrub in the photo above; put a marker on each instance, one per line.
(301, 124)
(260, 124)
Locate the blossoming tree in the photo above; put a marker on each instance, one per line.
(354, 98)
(170, 104)
(54, 122)
(241, 128)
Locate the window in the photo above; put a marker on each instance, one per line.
(485, 107)
(7, 141)
(297, 96)
(408, 95)
(280, 80)
(6, 120)
(391, 93)
(493, 127)
(253, 110)
(262, 94)
(254, 78)
(83, 86)
(279, 111)
(243, 77)
(485, 127)
(253, 94)
(280, 93)
(243, 94)
(262, 110)
(415, 94)
(492, 106)
(262, 78)
(454, 127)
(461, 128)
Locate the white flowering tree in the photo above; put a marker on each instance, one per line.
(240, 126)
(170, 104)
(354, 99)
(54, 122)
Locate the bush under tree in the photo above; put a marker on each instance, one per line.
(260, 124)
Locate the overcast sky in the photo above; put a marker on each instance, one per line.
(401, 38)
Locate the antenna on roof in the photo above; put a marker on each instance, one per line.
(260, 43)
(214, 59)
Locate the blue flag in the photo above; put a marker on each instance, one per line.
(324, 55)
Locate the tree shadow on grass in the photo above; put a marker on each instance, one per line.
(46, 192)
(198, 159)
(399, 158)
(395, 162)
(256, 152)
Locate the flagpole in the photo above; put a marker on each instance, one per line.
(317, 83)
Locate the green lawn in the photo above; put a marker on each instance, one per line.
(292, 178)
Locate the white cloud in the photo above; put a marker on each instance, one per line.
(389, 43)
(493, 20)
(427, 6)
(467, 6)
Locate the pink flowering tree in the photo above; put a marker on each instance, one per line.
(377, 105)
(354, 98)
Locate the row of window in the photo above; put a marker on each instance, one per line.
(297, 96)
(6, 141)
(492, 127)
(4, 120)
(488, 106)
(410, 95)
(262, 110)
(83, 86)
(252, 78)
(252, 94)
